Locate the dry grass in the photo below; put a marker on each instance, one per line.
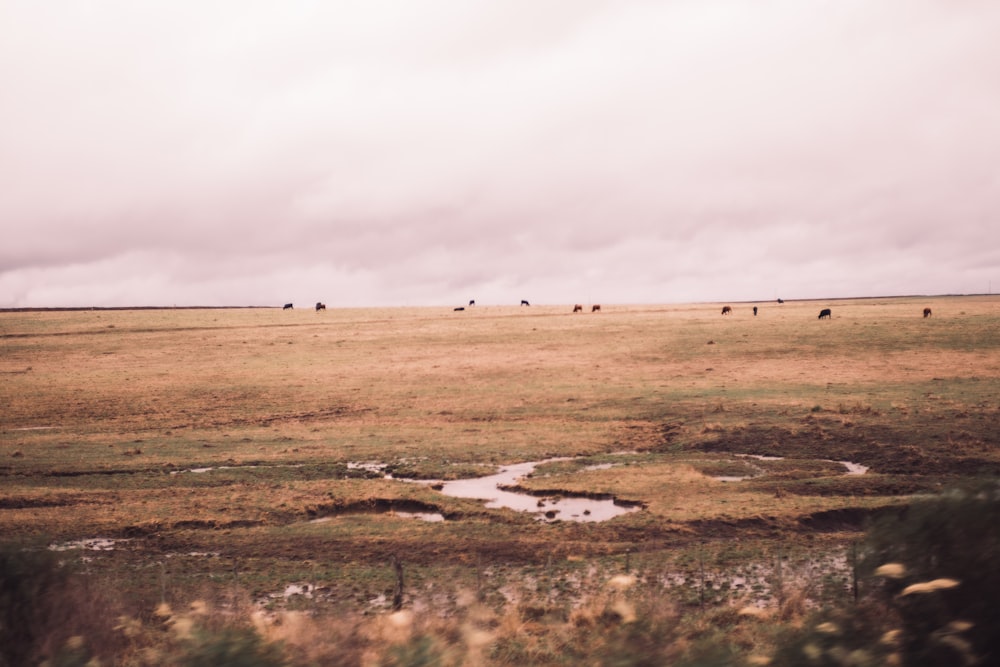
(101, 407)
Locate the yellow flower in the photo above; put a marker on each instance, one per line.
(827, 628)
(959, 626)
(890, 637)
(812, 651)
(750, 610)
(621, 581)
(891, 571)
(129, 626)
(930, 586)
(182, 627)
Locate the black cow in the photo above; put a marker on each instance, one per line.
(524, 303)
(825, 313)
(288, 306)
(320, 306)
(472, 302)
(781, 300)
(927, 312)
(726, 310)
(755, 311)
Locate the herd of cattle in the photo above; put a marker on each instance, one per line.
(319, 306)
(596, 308)
(824, 314)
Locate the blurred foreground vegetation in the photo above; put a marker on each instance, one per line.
(925, 594)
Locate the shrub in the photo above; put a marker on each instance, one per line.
(944, 581)
(33, 587)
(232, 647)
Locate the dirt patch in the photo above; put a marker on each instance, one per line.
(27, 502)
(908, 449)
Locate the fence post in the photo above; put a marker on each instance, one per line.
(397, 593)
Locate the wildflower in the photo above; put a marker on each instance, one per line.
(130, 627)
(958, 626)
(891, 637)
(827, 628)
(859, 657)
(812, 652)
(621, 581)
(750, 610)
(960, 645)
(891, 571)
(930, 586)
(182, 626)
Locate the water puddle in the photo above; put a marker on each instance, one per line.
(851, 467)
(369, 466)
(854, 468)
(90, 544)
(495, 490)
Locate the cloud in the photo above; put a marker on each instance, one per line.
(416, 152)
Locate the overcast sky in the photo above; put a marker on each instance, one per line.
(428, 152)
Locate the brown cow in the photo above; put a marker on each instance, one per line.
(927, 312)
(726, 310)
(596, 308)
(577, 308)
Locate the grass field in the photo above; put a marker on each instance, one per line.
(105, 413)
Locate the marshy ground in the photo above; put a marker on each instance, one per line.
(206, 443)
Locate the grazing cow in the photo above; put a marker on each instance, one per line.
(781, 300)
(755, 311)
(472, 302)
(577, 308)
(320, 306)
(596, 308)
(524, 303)
(927, 312)
(288, 306)
(726, 310)
(459, 308)
(825, 313)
